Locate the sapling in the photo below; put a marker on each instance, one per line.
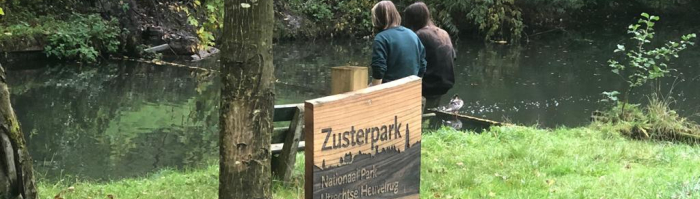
(643, 64)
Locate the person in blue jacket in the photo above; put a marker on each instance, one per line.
(397, 51)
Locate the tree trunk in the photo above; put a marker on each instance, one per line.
(16, 174)
(247, 100)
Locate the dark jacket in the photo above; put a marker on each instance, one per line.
(439, 76)
(397, 53)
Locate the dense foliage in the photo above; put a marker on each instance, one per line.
(84, 38)
(337, 17)
(63, 32)
(81, 37)
(210, 24)
(493, 20)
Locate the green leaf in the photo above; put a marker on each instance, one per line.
(645, 15)
(611, 95)
(620, 48)
(2, 12)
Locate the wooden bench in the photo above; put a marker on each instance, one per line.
(287, 141)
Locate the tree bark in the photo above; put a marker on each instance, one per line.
(247, 100)
(16, 174)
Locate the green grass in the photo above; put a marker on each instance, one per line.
(164, 184)
(520, 162)
(506, 162)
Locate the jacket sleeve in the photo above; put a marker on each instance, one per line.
(379, 55)
(423, 61)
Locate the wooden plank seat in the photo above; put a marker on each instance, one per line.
(286, 141)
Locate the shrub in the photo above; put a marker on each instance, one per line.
(498, 18)
(84, 37)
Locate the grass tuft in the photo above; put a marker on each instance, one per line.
(656, 120)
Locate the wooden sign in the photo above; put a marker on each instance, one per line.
(365, 144)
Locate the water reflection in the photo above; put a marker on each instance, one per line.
(121, 119)
(116, 120)
(455, 124)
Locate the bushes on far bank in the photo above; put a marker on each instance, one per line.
(497, 20)
(76, 37)
(84, 38)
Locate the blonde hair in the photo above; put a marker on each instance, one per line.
(385, 16)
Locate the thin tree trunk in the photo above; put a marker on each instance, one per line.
(16, 174)
(625, 102)
(247, 100)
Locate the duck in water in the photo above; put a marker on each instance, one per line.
(455, 104)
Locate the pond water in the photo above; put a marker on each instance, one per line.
(122, 119)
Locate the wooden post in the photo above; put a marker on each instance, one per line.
(348, 78)
(288, 157)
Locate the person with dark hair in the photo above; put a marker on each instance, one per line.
(439, 76)
(397, 52)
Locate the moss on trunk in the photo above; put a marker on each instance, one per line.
(17, 180)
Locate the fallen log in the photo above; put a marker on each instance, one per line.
(158, 48)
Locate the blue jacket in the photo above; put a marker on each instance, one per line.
(397, 53)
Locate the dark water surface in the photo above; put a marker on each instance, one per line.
(122, 119)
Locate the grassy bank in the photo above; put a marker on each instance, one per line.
(506, 162)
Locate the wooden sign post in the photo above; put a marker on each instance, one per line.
(348, 78)
(365, 144)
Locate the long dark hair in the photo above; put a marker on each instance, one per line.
(417, 16)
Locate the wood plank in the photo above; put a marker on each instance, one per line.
(465, 122)
(365, 143)
(288, 155)
(157, 48)
(278, 134)
(472, 119)
(277, 148)
(284, 112)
